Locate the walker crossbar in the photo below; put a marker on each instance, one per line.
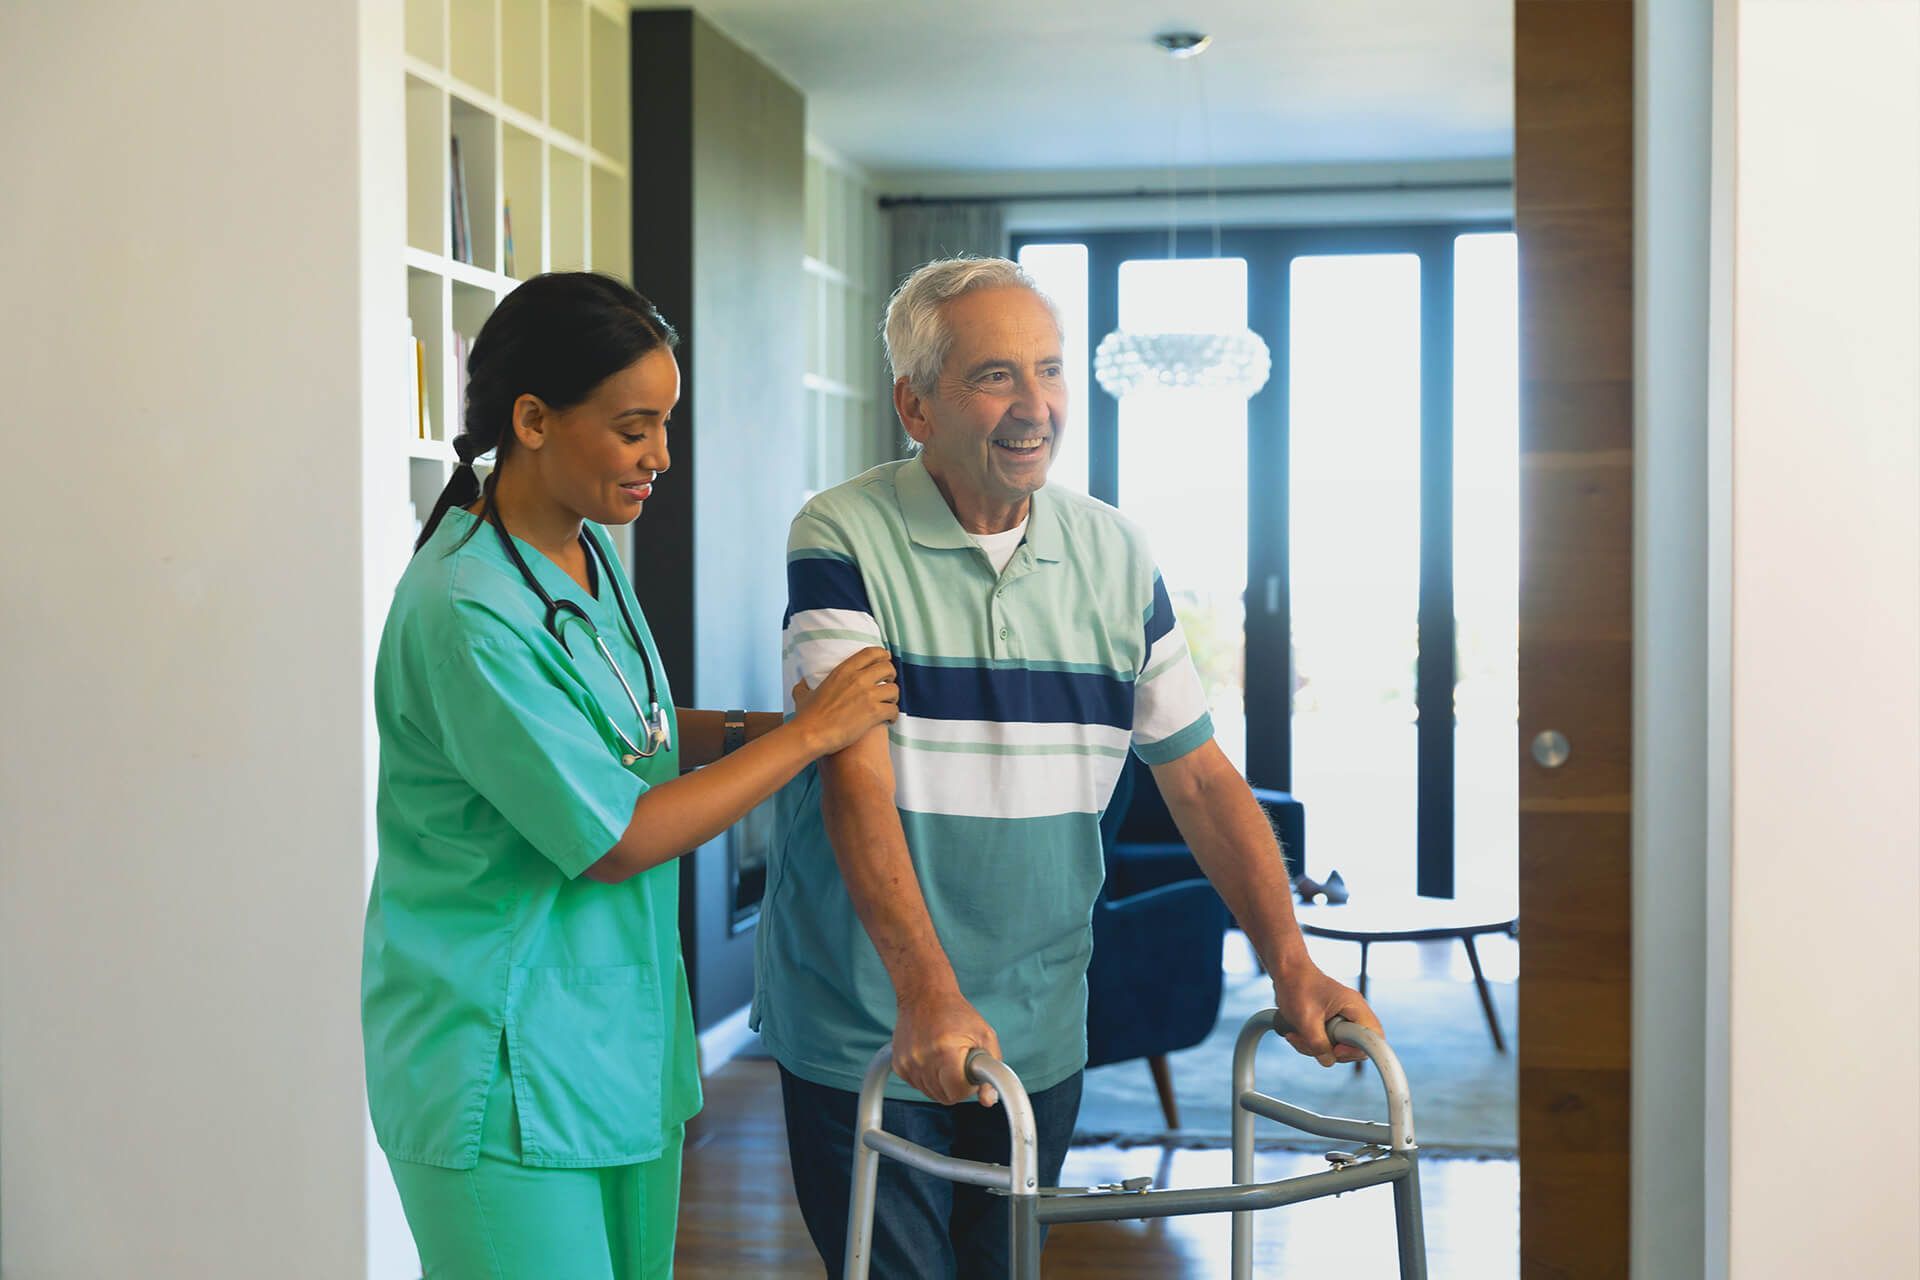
(1363, 1131)
(1177, 1202)
(1029, 1205)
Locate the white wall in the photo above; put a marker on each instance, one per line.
(183, 780)
(1824, 919)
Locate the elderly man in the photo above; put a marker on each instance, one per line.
(935, 883)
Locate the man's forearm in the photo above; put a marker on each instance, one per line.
(1232, 840)
(871, 849)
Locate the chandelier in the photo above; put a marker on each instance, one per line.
(1233, 361)
(1127, 361)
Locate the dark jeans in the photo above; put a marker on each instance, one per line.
(924, 1228)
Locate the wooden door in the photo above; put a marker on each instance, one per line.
(1573, 198)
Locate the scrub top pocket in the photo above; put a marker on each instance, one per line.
(585, 1044)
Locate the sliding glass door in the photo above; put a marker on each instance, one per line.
(1341, 547)
(1353, 516)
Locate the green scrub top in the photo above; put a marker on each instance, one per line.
(500, 782)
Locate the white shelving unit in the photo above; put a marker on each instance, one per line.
(848, 408)
(536, 93)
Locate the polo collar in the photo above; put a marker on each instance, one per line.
(931, 522)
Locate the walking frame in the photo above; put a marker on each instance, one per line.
(1387, 1154)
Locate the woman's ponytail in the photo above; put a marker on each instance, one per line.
(462, 490)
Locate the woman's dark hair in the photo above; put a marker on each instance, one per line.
(558, 336)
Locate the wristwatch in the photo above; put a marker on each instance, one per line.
(735, 736)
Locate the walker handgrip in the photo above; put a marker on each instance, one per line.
(984, 1068)
(1335, 1024)
(1024, 1165)
(1393, 1077)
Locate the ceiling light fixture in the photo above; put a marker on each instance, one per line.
(1231, 360)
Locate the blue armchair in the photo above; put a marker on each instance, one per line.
(1153, 984)
(1147, 850)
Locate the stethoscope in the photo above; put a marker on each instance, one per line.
(658, 734)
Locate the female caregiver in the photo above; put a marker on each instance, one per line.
(529, 1041)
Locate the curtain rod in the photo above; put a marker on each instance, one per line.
(1150, 193)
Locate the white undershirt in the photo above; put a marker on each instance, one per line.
(1001, 546)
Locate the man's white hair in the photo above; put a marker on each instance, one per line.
(918, 336)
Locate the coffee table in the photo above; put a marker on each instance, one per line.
(1407, 918)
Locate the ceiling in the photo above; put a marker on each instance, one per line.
(931, 85)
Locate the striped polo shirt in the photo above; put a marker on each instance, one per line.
(1021, 693)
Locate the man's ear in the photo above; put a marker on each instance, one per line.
(530, 422)
(912, 408)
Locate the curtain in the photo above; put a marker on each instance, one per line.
(917, 234)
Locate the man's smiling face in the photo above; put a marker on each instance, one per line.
(989, 431)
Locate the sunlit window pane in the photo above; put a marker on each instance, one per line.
(1061, 272)
(1183, 476)
(1354, 490)
(1486, 578)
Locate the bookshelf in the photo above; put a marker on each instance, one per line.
(534, 95)
(850, 423)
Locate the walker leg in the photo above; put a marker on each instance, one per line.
(1242, 1174)
(866, 1178)
(1408, 1223)
(1244, 1052)
(1023, 1255)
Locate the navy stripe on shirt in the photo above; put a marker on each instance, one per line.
(1160, 618)
(1019, 694)
(824, 582)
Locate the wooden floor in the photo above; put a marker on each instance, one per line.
(738, 1218)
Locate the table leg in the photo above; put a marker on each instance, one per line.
(1486, 993)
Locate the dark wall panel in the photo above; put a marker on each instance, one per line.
(719, 162)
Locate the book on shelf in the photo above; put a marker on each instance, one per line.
(506, 216)
(417, 388)
(462, 225)
(421, 420)
(459, 382)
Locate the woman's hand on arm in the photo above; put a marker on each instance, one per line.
(686, 812)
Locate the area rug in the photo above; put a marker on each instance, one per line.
(1463, 1091)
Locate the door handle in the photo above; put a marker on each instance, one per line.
(1551, 749)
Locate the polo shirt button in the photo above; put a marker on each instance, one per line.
(1004, 633)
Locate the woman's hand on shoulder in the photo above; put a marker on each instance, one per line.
(856, 695)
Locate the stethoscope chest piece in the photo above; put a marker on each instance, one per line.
(658, 735)
(656, 730)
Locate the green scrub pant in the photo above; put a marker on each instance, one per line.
(504, 1221)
